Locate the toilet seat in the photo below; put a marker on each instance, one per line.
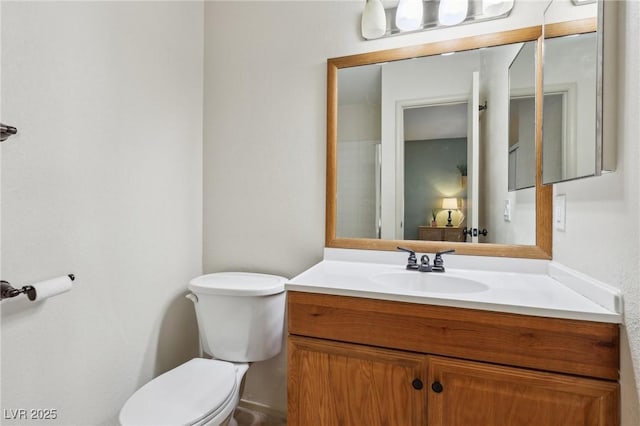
(189, 394)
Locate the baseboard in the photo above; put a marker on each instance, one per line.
(264, 409)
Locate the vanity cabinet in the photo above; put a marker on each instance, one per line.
(355, 361)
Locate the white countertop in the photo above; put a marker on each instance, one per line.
(533, 292)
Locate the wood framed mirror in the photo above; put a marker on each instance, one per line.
(539, 247)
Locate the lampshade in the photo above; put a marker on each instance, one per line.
(452, 12)
(374, 20)
(450, 203)
(409, 15)
(496, 7)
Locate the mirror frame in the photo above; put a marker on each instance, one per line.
(544, 236)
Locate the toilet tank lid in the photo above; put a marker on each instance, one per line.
(238, 284)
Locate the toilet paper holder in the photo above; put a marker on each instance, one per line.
(6, 131)
(8, 291)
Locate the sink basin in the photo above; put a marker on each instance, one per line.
(429, 282)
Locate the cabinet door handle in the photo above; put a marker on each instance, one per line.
(417, 384)
(437, 387)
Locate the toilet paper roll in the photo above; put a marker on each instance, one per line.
(53, 287)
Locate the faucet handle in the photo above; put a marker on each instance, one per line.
(412, 262)
(438, 263)
(440, 253)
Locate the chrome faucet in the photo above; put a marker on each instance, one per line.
(425, 266)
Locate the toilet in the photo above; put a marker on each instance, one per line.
(240, 320)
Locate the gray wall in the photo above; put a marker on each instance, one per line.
(430, 166)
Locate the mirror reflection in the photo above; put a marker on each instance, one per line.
(435, 171)
(575, 76)
(381, 187)
(522, 123)
(570, 87)
(423, 148)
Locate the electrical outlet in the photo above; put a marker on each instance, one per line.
(507, 211)
(559, 212)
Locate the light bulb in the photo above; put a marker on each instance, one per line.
(452, 12)
(409, 15)
(374, 21)
(496, 7)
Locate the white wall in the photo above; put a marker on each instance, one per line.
(602, 236)
(264, 146)
(104, 181)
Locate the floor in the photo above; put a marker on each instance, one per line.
(248, 417)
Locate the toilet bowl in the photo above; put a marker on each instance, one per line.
(199, 392)
(240, 320)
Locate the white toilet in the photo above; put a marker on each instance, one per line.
(240, 320)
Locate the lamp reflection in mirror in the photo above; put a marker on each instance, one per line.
(374, 20)
(409, 14)
(452, 12)
(449, 204)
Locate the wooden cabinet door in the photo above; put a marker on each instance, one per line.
(463, 393)
(338, 384)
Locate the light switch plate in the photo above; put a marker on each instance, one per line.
(559, 212)
(507, 211)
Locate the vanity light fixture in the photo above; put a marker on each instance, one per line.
(452, 12)
(421, 15)
(374, 20)
(409, 15)
(449, 204)
(496, 7)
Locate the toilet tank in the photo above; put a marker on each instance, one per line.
(240, 315)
